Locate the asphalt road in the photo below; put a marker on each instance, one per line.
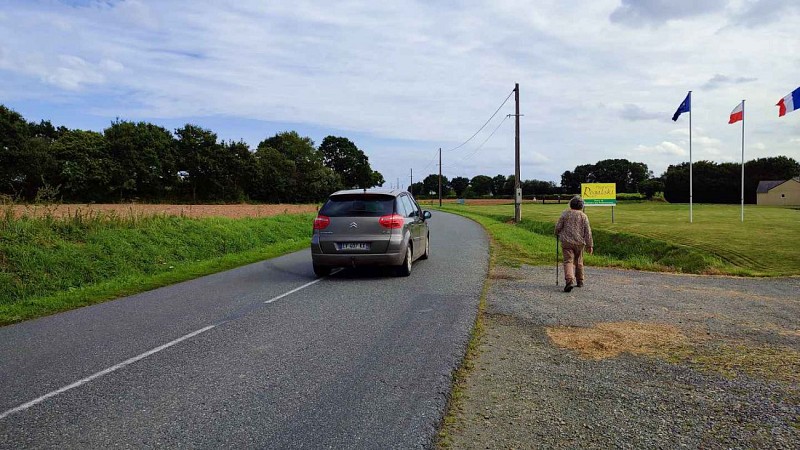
(360, 359)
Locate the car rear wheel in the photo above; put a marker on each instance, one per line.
(321, 271)
(427, 248)
(404, 269)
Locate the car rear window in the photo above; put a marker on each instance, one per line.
(358, 205)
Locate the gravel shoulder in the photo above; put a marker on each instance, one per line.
(634, 360)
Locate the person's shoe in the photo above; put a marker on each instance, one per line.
(568, 287)
(580, 284)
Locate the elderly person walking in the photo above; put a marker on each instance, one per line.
(575, 233)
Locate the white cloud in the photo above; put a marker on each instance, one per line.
(415, 76)
(73, 73)
(720, 80)
(664, 148)
(657, 12)
(762, 12)
(635, 113)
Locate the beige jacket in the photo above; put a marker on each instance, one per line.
(573, 228)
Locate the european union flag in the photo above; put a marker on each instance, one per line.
(686, 106)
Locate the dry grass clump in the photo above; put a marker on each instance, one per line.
(607, 340)
(729, 358)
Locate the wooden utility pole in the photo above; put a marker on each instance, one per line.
(440, 176)
(411, 185)
(517, 198)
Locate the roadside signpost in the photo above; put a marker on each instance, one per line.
(600, 194)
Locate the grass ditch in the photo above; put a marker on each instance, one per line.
(50, 264)
(533, 242)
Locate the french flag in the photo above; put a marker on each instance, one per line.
(789, 103)
(738, 113)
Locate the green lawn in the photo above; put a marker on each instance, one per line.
(656, 236)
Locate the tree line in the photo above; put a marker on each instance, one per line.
(721, 182)
(713, 182)
(145, 162)
(480, 186)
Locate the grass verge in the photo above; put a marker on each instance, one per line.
(533, 242)
(455, 403)
(658, 236)
(52, 264)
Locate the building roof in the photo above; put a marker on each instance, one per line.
(765, 186)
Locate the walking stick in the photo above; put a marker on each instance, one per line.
(557, 239)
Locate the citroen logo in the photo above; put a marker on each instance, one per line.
(353, 225)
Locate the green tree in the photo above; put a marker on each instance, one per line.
(431, 185)
(241, 167)
(144, 155)
(272, 176)
(310, 180)
(481, 185)
(14, 163)
(84, 167)
(571, 181)
(625, 174)
(459, 185)
(651, 186)
(539, 187)
(377, 179)
(194, 147)
(418, 189)
(713, 183)
(352, 165)
(499, 186)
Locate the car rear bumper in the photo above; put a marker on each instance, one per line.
(394, 256)
(350, 260)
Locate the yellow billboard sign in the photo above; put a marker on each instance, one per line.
(599, 194)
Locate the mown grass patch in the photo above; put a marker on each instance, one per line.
(53, 264)
(655, 236)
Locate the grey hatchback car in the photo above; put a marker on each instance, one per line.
(370, 227)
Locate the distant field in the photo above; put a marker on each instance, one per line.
(134, 209)
(658, 236)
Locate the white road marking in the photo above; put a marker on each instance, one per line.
(130, 361)
(83, 381)
(301, 287)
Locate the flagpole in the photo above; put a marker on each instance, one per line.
(691, 187)
(742, 160)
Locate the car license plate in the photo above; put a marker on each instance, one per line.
(353, 246)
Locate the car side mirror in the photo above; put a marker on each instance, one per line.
(426, 214)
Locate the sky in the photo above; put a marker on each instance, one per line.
(598, 79)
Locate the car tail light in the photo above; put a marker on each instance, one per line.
(392, 221)
(321, 222)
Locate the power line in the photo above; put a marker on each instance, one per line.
(485, 140)
(436, 154)
(484, 125)
(433, 160)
